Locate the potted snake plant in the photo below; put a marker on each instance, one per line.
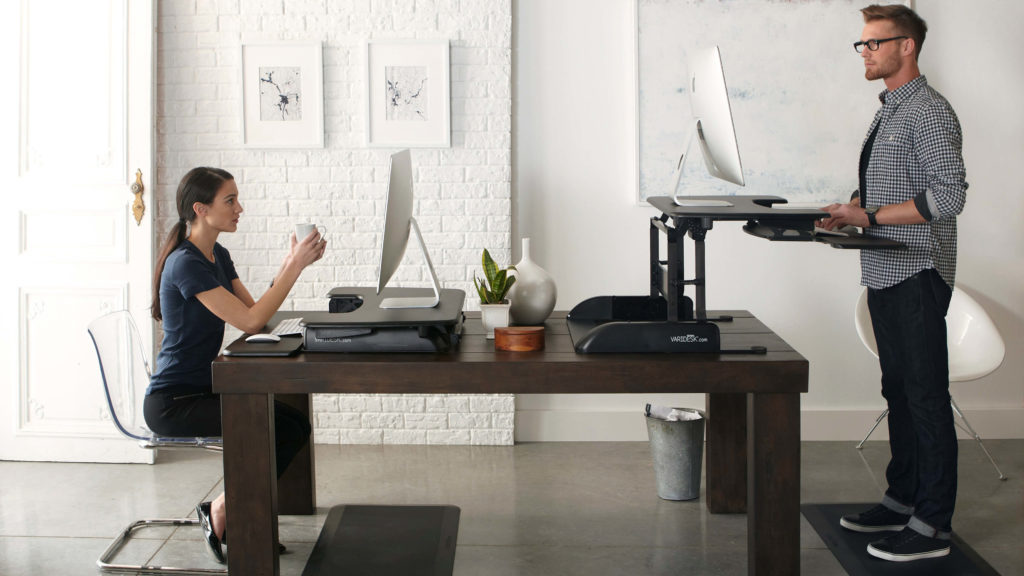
(493, 292)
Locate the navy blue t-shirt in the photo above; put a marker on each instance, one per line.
(192, 334)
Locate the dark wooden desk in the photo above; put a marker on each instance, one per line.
(753, 428)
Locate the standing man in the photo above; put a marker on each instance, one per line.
(911, 189)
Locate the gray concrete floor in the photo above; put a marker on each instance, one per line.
(534, 509)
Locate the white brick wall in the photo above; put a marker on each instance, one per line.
(463, 199)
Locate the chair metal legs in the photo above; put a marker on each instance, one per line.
(962, 423)
(877, 422)
(966, 426)
(104, 563)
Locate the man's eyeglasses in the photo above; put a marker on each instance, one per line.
(873, 44)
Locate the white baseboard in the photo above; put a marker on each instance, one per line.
(606, 426)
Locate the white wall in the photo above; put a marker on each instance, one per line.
(573, 195)
(463, 192)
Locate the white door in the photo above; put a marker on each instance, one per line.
(76, 123)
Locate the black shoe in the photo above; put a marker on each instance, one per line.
(878, 519)
(212, 542)
(907, 545)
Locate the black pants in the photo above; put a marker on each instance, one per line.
(910, 327)
(189, 413)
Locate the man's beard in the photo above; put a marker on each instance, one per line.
(883, 68)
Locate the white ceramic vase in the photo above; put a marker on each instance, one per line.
(534, 293)
(494, 316)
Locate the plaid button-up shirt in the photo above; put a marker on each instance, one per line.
(915, 156)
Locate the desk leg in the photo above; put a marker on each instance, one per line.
(773, 487)
(250, 483)
(726, 484)
(296, 489)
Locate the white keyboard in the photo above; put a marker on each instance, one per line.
(288, 327)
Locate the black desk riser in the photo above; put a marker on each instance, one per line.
(666, 320)
(355, 322)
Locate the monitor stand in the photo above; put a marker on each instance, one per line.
(413, 301)
(692, 201)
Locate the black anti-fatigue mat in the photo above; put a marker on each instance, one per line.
(850, 548)
(386, 541)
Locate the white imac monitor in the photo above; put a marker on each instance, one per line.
(711, 125)
(398, 222)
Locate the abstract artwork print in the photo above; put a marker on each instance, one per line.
(281, 93)
(406, 92)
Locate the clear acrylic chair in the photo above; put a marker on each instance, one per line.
(125, 373)
(975, 346)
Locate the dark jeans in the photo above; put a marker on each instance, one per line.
(188, 413)
(910, 327)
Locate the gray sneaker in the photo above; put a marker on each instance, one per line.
(877, 519)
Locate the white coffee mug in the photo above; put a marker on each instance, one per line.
(303, 229)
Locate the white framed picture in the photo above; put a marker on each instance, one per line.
(408, 94)
(282, 95)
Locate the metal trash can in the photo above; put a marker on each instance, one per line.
(678, 450)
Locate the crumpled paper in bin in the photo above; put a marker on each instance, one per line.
(671, 414)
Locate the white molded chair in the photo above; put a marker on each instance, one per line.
(975, 350)
(124, 369)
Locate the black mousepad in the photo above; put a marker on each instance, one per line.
(286, 347)
(850, 548)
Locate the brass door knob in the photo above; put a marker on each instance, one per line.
(138, 206)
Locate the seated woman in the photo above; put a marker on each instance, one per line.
(196, 290)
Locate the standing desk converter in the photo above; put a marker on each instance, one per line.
(753, 425)
(668, 321)
(765, 217)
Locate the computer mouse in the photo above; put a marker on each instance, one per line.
(257, 338)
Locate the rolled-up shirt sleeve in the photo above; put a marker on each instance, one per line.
(939, 154)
